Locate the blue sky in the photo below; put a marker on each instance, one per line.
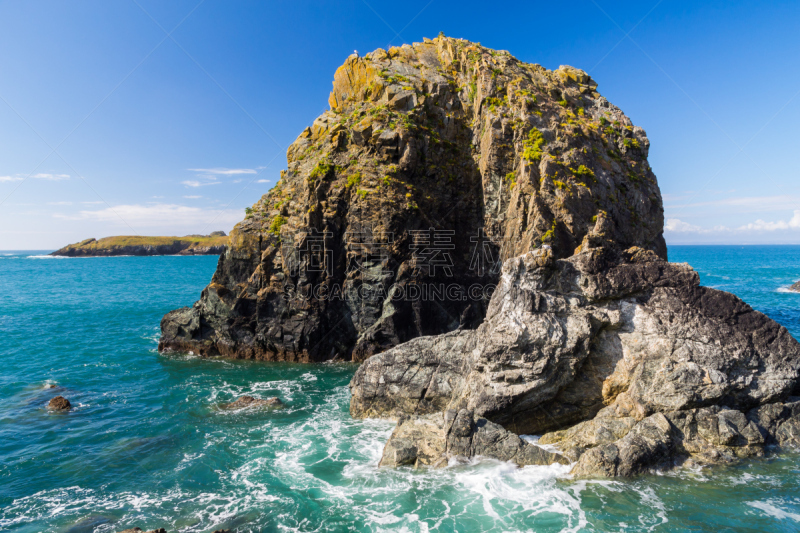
(169, 118)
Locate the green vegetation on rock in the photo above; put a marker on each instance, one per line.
(532, 147)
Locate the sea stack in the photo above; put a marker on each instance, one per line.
(436, 162)
(528, 197)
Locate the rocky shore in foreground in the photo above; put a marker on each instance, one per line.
(621, 360)
(213, 244)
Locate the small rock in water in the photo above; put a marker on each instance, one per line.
(87, 524)
(59, 403)
(795, 287)
(249, 402)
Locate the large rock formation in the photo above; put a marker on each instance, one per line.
(621, 359)
(435, 162)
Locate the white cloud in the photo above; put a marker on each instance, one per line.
(59, 203)
(193, 197)
(262, 181)
(196, 183)
(225, 171)
(172, 215)
(679, 226)
(51, 177)
(675, 225)
(761, 225)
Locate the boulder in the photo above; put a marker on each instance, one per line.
(249, 402)
(59, 403)
(436, 439)
(795, 287)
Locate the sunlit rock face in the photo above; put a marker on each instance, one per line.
(435, 163)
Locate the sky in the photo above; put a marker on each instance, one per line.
(143, 117)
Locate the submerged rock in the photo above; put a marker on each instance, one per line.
(87, 524)
(59, 403)
(249, 402)
(623, 357)
(436, 161)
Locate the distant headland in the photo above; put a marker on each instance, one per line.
(213, 244)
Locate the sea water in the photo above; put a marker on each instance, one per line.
(147, 444)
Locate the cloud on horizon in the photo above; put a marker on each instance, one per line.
(678, 226)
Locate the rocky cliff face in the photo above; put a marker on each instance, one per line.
(436, 162)
(621, 360)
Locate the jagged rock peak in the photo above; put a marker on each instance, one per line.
(487, 156)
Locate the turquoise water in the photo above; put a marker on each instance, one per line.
(147, 445)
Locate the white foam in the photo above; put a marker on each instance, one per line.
(786, 290)
(771, 509)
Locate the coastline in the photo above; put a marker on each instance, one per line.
(148, 447)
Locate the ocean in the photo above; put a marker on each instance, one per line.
(147, 445)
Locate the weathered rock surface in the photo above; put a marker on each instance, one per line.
(436, 439)
(213, 244)
(436, 161)
(59, 403)
(622, 357)
(250, 402)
